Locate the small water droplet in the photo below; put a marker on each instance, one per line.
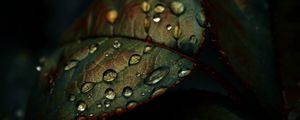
(71, 65)
(111, 16)
(156, 19)
(119, 111)
(131, 105)
(143, 94)
(110, 94)
(177, 7)
(72, 97)
(19, 113)
(91, 115)
(99, 105)
(176, 32)
(81, 106)
(86, 87)
(183, 73)
(93, 48)
(169, 27)
(200, 19)
(106, 55)
(116, 44)
(107, 103)
(193, 39)
(158, 92)
(110, 75)
(147, 49)
(81, 117)
(38, 68)
(127, 91)
(138, 74)
(145, 6)
(159, 8)
(134, 59)
(157, 75)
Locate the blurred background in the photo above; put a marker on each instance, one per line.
(30, 30)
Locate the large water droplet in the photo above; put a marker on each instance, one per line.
(116, 44)
(86, 87)
(110, 94)
(71, 65)
(127, 91)
(134, 59)
(177, 7)
(159, 8)
(93, 48)
(81, 106)
(158, 92)
(145, 6)
(111, 16)
(147, 49)
(131, 105)
(156, 19)
(157, 75)
(183, 73)
(110, 75)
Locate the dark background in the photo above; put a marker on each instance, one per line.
(30, 30)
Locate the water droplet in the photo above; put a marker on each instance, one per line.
(93, 48)
(177, 7)
(91, 115)
(147, 49)
(138, 74)
(156, 19)
(99, 105)
(109, 75)
(107, 103)
(111, 16)
(81, 117)
(145, 6)
(158, 92)
(157, 75)
(127, 91)
(159, 8)
(81, 106)
(19, 113)
(116, 44)
(38, 68)
(119, 111)
(143, 94)
(193, 39)
(86, 87)
(169, 27)
(176, 32)
(71, 65)
(134, 59)
(110, 94)
(106, 55)
(131, 105)
(72, 98)
(183, 73)
(200, 19)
